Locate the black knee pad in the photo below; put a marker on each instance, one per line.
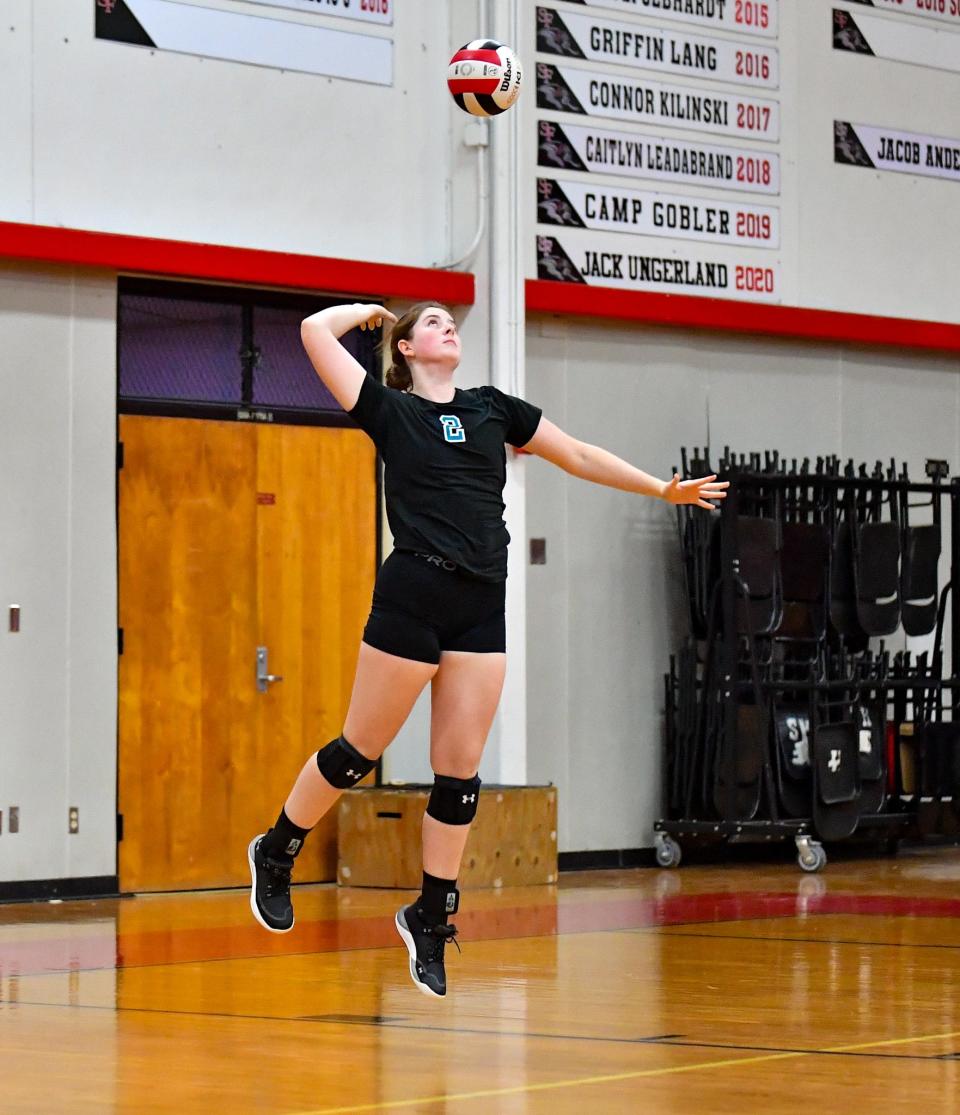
(454, 800)
(342, 765)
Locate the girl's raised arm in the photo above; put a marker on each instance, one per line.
(321, 333)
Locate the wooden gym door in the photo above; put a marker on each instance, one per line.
(233, 537)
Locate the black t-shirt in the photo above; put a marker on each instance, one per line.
(445, 467)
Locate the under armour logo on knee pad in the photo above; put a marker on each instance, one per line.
(352, 774)
(469, 798)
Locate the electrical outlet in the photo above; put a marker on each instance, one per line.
(73, 820)
(13, 819)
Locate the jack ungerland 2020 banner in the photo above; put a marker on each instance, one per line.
(237, 36)
(574, 255)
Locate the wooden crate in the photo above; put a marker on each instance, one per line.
(512, 842)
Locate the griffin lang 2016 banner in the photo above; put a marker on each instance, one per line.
(656, 48)
(238, 37)
(903, 152)
(749, 17)
(595, 93)
(370, 11)
(645, 213)
(948, 11)
(632, 155)
(930, 47)
(583, 256)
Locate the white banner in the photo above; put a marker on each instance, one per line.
(630, 154)
(656, 48)
(948, 11)
(645, 213)
(750, 17)
(236, 37)
(898, 42)
(595, 93)
(580, 256)
(370, 11)
(888, 149)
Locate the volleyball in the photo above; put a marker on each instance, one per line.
(484, 77)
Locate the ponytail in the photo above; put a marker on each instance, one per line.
(398, 376)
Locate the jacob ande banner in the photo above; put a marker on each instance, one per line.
(595, 93)
(888, 149)
(573, 147)
(751, 17)
(581, 256)
(615, 209)
(655, 48)
(895, 41)
(946, 10)
(237, 37)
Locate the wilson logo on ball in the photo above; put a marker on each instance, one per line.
(484, 77)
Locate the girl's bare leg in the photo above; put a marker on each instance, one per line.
(385, 689)
(465, 693)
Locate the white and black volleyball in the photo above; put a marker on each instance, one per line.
(484, 77)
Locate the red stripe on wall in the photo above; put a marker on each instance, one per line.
(186, 259)
(730, 316)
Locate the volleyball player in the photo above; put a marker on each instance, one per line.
(438, 603)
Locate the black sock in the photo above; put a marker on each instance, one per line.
(284, 840)
(438, 899)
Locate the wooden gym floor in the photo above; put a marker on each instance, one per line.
(747, 988)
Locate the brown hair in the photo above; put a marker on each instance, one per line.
(398, 374)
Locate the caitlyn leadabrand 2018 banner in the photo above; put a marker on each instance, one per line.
(656, 48)
(897, 42)
(583, 256)
(644, 213)
(630, 154)
(946, 10)
(595, 93)
(370, 11)
(750, 17)
(904, 152)
(237, 37)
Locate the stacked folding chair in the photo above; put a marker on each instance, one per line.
(786, 715)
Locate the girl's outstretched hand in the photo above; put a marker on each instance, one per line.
(697, 492)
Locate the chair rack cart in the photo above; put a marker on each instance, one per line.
(788, 713)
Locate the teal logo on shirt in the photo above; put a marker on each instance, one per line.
(453, 431)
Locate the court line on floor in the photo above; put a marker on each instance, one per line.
(610, 1078)
(665, 1039)
(802, 940)
(390, 943)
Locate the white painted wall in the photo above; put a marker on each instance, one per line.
(606, 611)
(58, 675)
(119, 138)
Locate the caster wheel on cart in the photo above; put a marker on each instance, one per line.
(812, 857)
(668, 851)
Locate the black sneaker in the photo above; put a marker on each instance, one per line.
(270, 889)
(425, 945)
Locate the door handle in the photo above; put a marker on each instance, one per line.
(264, 678)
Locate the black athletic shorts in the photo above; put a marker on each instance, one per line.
(421, 608)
